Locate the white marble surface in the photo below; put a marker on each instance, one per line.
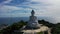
(33, 22)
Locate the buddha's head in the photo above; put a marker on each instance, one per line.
(32, 13)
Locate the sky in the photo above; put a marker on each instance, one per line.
(22, 8)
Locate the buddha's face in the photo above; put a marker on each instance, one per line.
(32, 13)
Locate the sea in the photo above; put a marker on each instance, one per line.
(11, 20)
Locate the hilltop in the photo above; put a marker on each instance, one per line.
(17, 26)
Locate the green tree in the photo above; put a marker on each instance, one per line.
(11, 28)
(56, 29)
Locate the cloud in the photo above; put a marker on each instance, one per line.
(13, 11)
(8, 8)
(17, 2)
(44, 8)
(4, 2)
(52, 10)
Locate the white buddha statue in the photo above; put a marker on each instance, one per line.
(33, 22)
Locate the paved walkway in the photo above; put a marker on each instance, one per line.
(42, 28)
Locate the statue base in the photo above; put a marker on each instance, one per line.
(30, 28)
